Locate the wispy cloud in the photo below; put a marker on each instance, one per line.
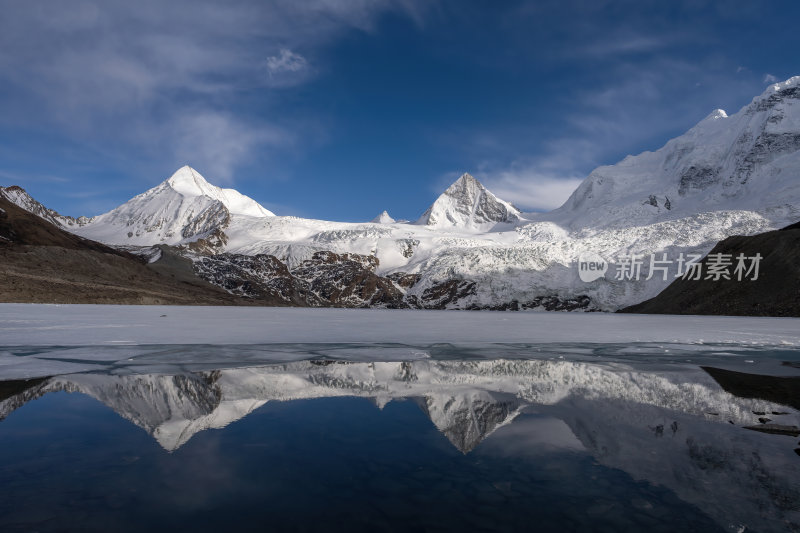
(624, 44)
(287, 69)
(217, 142)
(167, 73)
(529, 188)
(769, 78)
(16, 178)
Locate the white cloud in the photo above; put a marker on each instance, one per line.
(286, 61)
(529, 188)
(769, 78)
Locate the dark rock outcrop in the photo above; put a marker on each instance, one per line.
(327, 279)
(776, 291)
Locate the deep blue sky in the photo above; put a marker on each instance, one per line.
(338, 110)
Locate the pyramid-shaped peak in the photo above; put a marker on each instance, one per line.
(383, 218)
(468, 204)
(188, 182)
(182, 207)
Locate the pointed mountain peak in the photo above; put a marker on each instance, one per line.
(189, 182)
(468, 204)
(466, 177)
(465, 181)
(383, 218)
(715, 119)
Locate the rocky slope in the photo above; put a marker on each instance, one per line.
(19, 196)
(775, 291)
(39, 262)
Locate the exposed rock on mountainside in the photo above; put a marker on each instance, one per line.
(255, 276)
(325, 280)
(348, 280)
(776, 291)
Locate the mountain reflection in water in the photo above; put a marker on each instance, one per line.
(679, 429)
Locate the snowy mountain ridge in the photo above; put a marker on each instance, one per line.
(20, 197)
(746, 161)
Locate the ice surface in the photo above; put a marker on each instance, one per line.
(83, 325)
(41, 340)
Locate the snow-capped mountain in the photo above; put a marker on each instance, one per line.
(184, 207)
(468, 204)
(383, 218)
(728, 175)
(747, 161)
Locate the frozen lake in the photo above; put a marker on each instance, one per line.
(38, 324)
(206, 419)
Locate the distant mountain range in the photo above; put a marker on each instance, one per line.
(728, 175)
